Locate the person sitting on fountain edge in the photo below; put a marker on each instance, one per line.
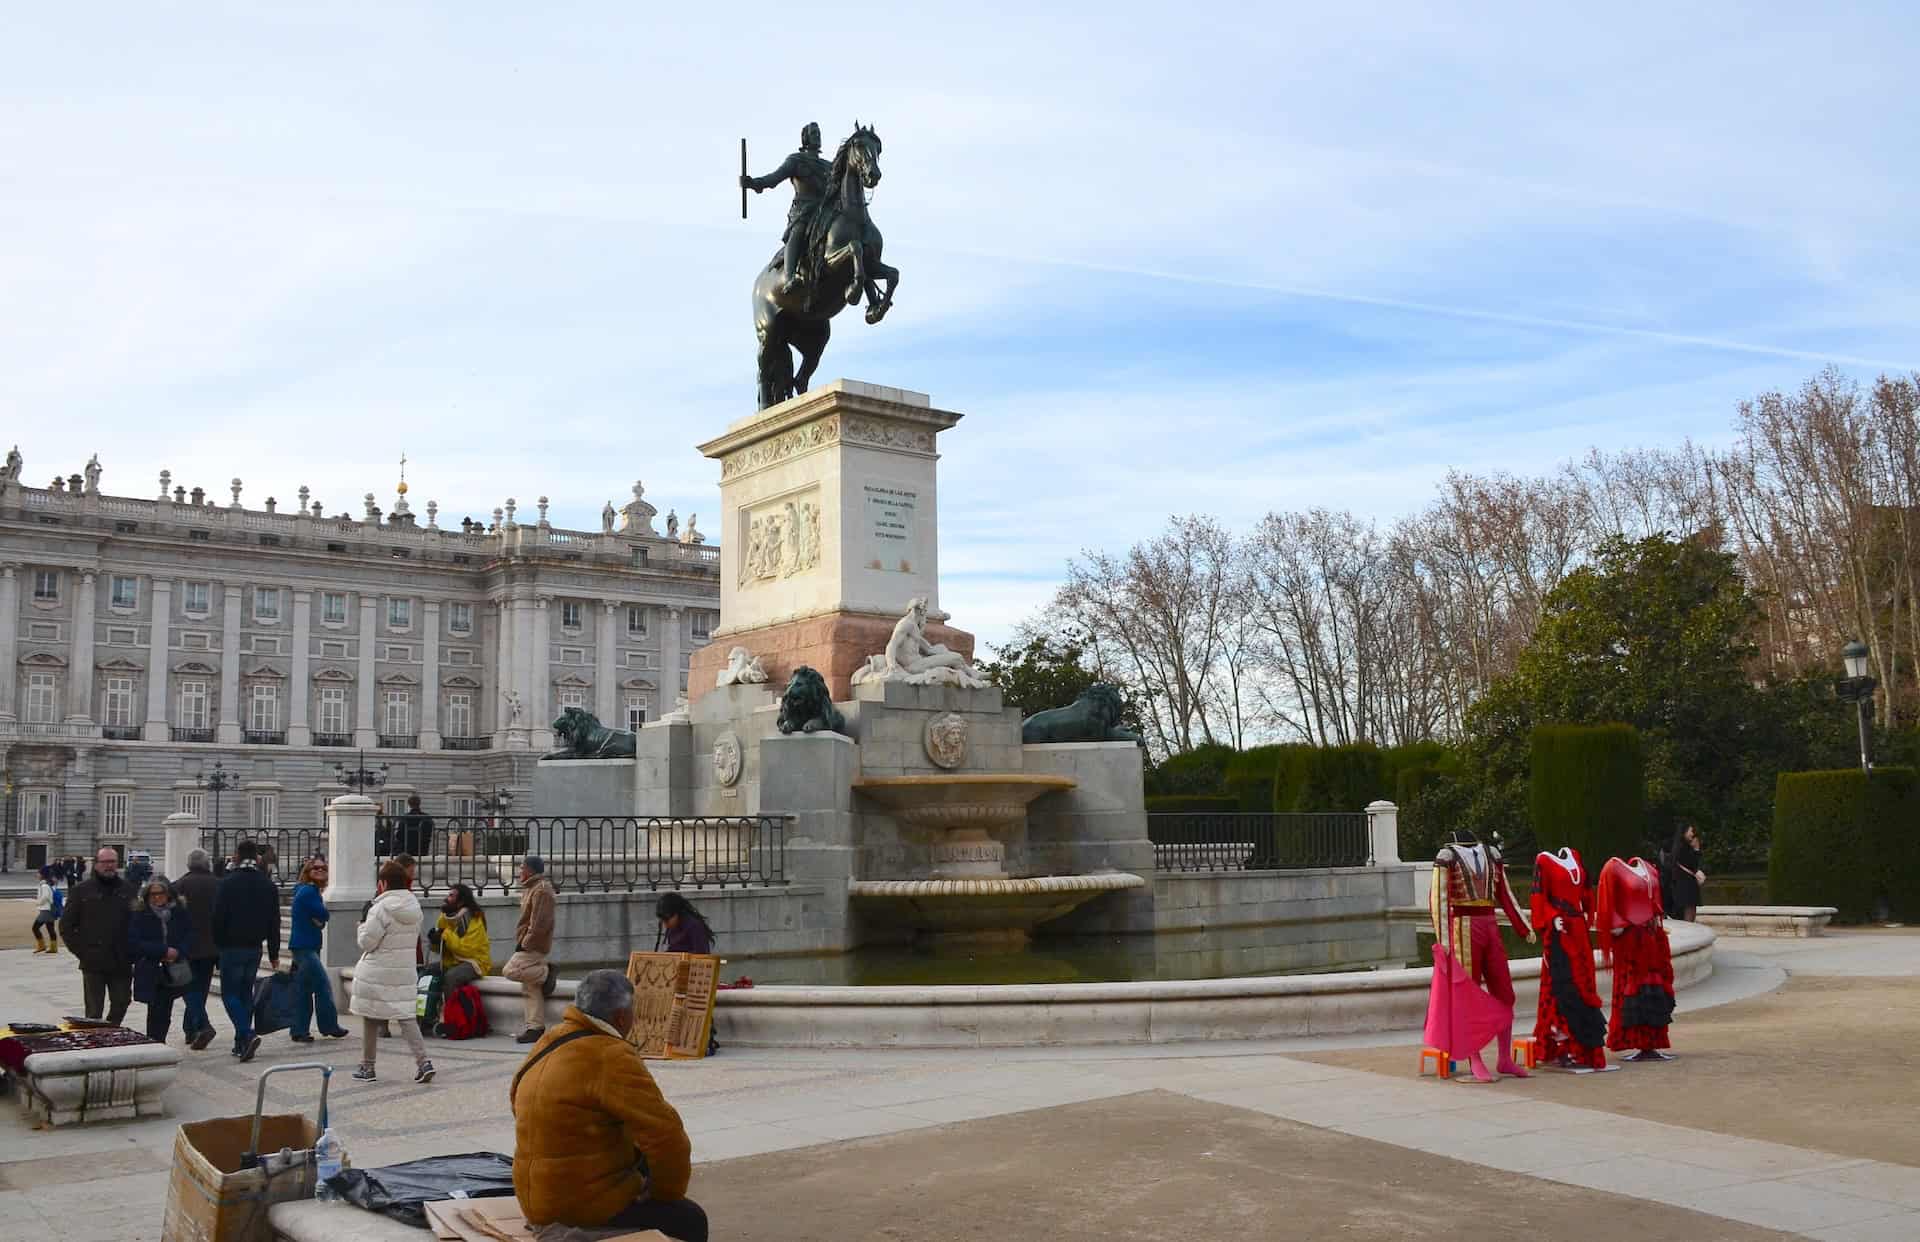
(596, 1145)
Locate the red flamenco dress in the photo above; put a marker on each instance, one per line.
(1633, 934)
(1471, 997)
(1570, 1025)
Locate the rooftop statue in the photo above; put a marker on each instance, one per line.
(829, 257)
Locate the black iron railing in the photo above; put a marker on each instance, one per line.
(466, 743)
(264, 737)
(399, 741)
(281, 850)
(121, 733)
(589, 853)
(182, 733)
(1229, 841)
(333, 739)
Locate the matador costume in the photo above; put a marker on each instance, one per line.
(1471, 1000)
(1570, 1026)
(1633, 934)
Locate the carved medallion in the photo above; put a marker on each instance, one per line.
(947, 740)
(726, 758)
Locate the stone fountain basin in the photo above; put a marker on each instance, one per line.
(984, 910)
(961, 799)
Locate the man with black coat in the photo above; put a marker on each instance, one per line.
(94, 925)
(197, 888)
(246, 914)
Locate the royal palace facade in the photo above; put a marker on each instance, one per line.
(151, 649)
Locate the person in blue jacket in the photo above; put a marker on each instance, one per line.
(159, 934)
(313, 994)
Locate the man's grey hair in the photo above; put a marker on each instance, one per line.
(197, 860)
(536, 864)
(604, 993)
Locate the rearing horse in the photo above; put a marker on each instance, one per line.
(846, 266)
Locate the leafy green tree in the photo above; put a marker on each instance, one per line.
(1655, 633)
(1037, 671)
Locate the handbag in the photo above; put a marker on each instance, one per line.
(176, 975)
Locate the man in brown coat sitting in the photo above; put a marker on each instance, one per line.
(596, 1146)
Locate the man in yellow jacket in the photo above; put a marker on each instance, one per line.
(596, 1144)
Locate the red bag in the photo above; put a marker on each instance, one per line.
(462, 1016)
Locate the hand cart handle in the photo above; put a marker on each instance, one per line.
(252, 1153)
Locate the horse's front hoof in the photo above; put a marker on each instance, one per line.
(876, 313)
(853, 296)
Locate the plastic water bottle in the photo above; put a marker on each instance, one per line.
(329, 1157)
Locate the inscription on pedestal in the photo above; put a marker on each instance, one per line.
(970, 852)
(890, 517)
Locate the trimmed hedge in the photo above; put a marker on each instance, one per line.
(1341, 778)
(1255, 774)
(1589, 791)
(1847, 839)
(1202, 770)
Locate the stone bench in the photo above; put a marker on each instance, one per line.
(309, 1220)
(1786, 922)
(95, 1084)
(501, 998)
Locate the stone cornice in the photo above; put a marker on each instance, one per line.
(845, 411)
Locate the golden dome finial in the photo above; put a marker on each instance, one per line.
(403, 474)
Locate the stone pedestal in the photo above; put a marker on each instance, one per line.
(182, 831)
(96, 1084)
(350, 874)
(827, 529)
(582, 787)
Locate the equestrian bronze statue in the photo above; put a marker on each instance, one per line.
(829, 258)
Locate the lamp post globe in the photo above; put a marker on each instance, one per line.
(1854, 655)
(1857, 687)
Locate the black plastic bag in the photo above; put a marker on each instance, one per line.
(273, 1001)
(398, 1190)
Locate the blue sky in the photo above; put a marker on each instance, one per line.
(1166, 259)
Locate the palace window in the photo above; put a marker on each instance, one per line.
(119, 702)
(265, 717)
(193, 705)
(636, 620)
(572, 696)
(196, 597)
(333, 608)
(398, 713)
(191, 803)
(42, 698)
(569, 614)
(46, 585)
(116, 816)
(459, 714)
(399, 614)
(460, 618)
(636, 713)
(266, 603)
(125, 592)
(264, 807)
(37, 811)
(333, 709)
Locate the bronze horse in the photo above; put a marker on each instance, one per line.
(844, 255)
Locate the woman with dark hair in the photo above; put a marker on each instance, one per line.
(1684, 874)
(159, 936)
(460, 934)
(682, 929)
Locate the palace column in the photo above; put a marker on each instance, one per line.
(504, 678)
(539, 667)
(366, 733)
(673, 617)
(230, 596)
(430, 676)
(9, 633)
(299, 729)
(158, 647)
(80, 676)
(604, 704)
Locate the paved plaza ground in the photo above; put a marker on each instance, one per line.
(1780, 1119)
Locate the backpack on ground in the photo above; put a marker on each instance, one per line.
(462, 1015)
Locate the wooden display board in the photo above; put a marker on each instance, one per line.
(672, 1003)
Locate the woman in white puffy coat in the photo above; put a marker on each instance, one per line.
(384, 980)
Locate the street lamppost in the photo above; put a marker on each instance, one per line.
(1857, 688)
(216, 783)
(498, 803)
(360, 778)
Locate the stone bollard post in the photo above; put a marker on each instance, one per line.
(182, 835)
(1383, 831)
(350, 875)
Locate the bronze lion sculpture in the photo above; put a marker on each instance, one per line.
(1093, 717)
(587, 738)
(806, 707)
